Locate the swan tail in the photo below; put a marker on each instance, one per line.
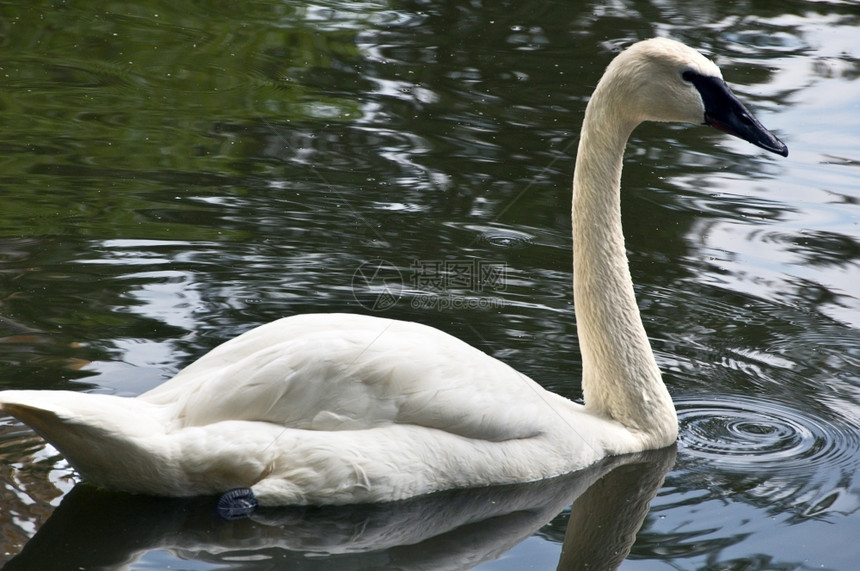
(100, 435)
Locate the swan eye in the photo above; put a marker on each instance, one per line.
(688, 75)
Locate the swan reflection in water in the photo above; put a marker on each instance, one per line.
(93, 528)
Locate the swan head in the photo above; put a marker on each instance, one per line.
(664, 80)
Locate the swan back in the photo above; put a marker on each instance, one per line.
(297, 372)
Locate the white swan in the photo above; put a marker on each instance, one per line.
(335, 409)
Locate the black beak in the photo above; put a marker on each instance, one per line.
(725, 112)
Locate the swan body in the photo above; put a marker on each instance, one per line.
(327, 408)
(340, 408)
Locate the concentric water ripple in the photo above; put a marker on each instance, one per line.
(506, 238)
(750, 435)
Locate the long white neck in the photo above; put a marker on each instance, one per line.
(620, 376)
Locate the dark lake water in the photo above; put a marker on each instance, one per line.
(175, 173)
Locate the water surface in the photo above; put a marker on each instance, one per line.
(174, 174)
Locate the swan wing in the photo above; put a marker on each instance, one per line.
(352, 372)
